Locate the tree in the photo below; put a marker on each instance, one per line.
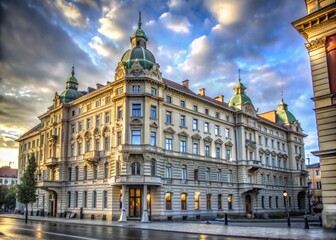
(26, 191)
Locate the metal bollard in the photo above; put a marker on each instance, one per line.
(225, 219)
(306, 226)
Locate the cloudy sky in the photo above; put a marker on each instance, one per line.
(203, 41)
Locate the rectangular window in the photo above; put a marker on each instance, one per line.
(195, 124)
(85, 199)
(136, 89)
(230, 177)
(208, 201)
(76, 173)
(207, 151)
(266, 142)
(107, 143)
(206, 127)
(272, 143)
(106, 170)
(80, 126)
(94, 199)
(119, 111)
(227, 133)
(153, 91)
(196, 174)
(119, 90)
(207, 174)
(98, 103)
(169, 144)
(69, 199)
(97, 120)
(184, 172)
(218, 152)
(169, 172)
(107, 100)
(217, 114)
(136, 137)
(206, 111)
(195, 108)
(219, 175)
(183, 201)
(230, 201)
(69, 173)
(259, 140)
(95, 172)
(136, 110)
(153, 139)
(168, 99)
(168, 117)
(219, 201)
(168, 201)
(283, 147)
(317, 172)
(195, 149)
(183, 146)
(107, 117)
(119, 138)
(197, 201)
(105, 199)
(153, 112)
(217, 132)
(228, 154)
(88, 123)
(85, 173)
(73, 128)
(182, 121)
(182, 103)
(76, 199)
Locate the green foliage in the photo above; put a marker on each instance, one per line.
(26, 191)
(7, 196)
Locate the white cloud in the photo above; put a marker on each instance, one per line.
(175, 23)
(225, 12)
(72, 13)
(98, 45)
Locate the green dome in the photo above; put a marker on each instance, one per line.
(239, 100)
(143, 55)
(69, 95)
(72, 79)
(283, 115)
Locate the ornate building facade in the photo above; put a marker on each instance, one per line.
(147, 148)
(319, 30)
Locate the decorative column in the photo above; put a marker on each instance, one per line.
(123, 217)
(145, 212)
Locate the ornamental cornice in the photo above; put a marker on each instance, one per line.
(316, 43)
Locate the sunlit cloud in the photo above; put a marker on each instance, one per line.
(72, 13)
(98, 45)
(225, 12)
(177, 24)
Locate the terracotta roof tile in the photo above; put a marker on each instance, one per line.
(8, 172)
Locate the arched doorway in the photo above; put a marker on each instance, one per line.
(248, 204)
(302, 200)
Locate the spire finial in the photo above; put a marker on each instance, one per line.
(239, 74)
(73, 71)
(139, 23)
(281, 88)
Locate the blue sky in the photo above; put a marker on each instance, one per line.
(203, 41)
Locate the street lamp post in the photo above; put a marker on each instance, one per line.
(285, 194)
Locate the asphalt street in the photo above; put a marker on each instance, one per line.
(16, 229)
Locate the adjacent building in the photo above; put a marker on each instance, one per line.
(319, 30)
(147, 148)
(315, 187)
(8, 176)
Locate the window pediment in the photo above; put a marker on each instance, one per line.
(229, 144)
(207, 139)
(196, 136)
(219, 141)
(153, 125)
(183, 134)
(136, 122)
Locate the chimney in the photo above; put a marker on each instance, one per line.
(186, 83)
(202, 92)
(220, 98)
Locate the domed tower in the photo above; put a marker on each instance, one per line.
(239, 98)
(138, 61)
(139, 51)
(71, 91)
(283, 116)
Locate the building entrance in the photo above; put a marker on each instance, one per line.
(135, 202)
(248, 204)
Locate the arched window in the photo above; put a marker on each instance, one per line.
(263, 202)
(153, 165)
(135, 168)
(106, 170)
(85, 173)
(168, 201)
(270, 202)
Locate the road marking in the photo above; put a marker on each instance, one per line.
(58, 234)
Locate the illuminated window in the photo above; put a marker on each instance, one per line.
(183, 201)
(168, 201)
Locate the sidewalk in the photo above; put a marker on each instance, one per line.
(215, 228)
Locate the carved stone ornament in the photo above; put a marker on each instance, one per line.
(155, 71)
(229, 144)
(219, 141)
(267, 152)
(120, 71)
(169, 130)
(273, 154)
(87, 136)
(79, 138)
(136, 122)
(316, 43)
(249, 108)
(137, 69)
(196, 136)
(125, 156)
(96, 133)
(261, 150)
(207, 139)
(183, 134)
(153, 125)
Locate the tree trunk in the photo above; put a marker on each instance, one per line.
(26, 218)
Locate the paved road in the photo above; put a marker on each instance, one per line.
(17, 229)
